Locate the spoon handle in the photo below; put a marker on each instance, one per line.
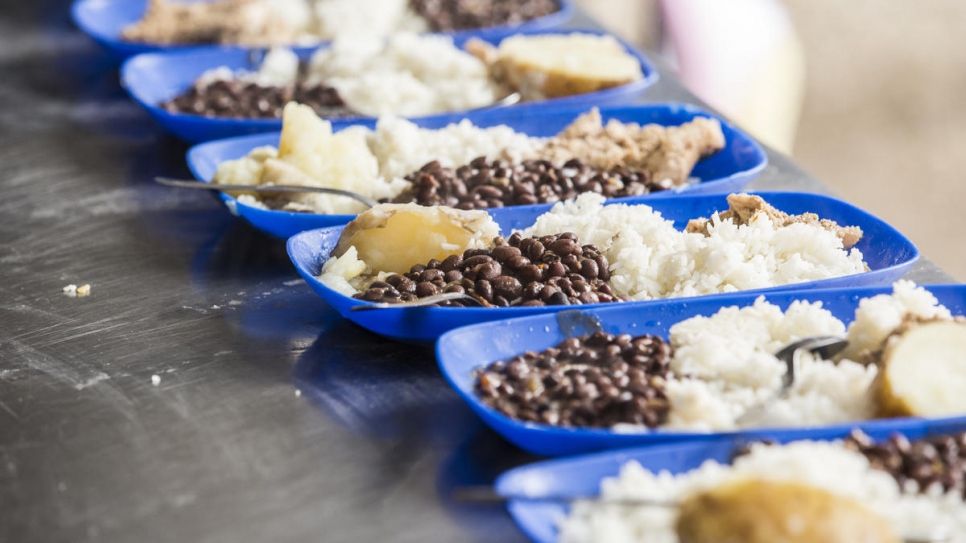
(185, 184)
(421, 302)
(486, 495)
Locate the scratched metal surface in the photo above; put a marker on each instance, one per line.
(222, 449)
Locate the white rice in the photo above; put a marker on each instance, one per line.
(651, 259)
(279, 68)
(402, 147)
(828, 466)
(408, 75)
(376, 18)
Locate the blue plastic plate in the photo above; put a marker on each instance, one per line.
(582, 475)
(153, 78)
(103, 20)
(888, 253)
(724, 172)
(462, 351)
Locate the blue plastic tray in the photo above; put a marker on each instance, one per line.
(462, 351)
(582, 475)
(724, 172)
(153, 78)
(103, 20)
(888, 253)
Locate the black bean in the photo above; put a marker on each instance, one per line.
(484, 289)
(476, 260)
(590, 393)
(534, 251)
(425, 289)
(231, 99)
(503, 253)
(517, 262)
(515, 281)
(374, 294)
(488, 271)
(589, 269)
(558, 298)
(565, 246)
(507, 287)
(431, 275)
(407, 285)
(451, 263)
(530, 273)
(556, 269)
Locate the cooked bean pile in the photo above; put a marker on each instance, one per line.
(485, 184)
(446, 15)
(936, 460)
(534, 271)
(232, 98)
(594, 380)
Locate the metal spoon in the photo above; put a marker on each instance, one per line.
(488, 495)
(185, 184)
(423, 302)
(508, 100)
(824, 346)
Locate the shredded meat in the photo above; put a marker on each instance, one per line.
(744, 207)
(668, 153)
(246, 22)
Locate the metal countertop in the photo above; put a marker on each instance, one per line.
(274, 419)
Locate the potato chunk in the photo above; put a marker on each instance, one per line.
(758, 511)
(394, 237)
(553, 66)
(923, 371)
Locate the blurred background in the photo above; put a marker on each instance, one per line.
(867, 95)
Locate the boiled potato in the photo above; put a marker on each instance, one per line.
(394, 237)
(923, 371)
(336, 160)
(552, 66)
(758, 511)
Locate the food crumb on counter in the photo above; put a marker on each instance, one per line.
(155, 379)
(75, 291)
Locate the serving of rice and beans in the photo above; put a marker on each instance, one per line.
(411, 75)
(802, 492)
(468, 167)
(719, 372)
(578, 247)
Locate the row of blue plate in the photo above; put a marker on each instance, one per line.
(157, 73)
(471, 338)
(104, 20)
